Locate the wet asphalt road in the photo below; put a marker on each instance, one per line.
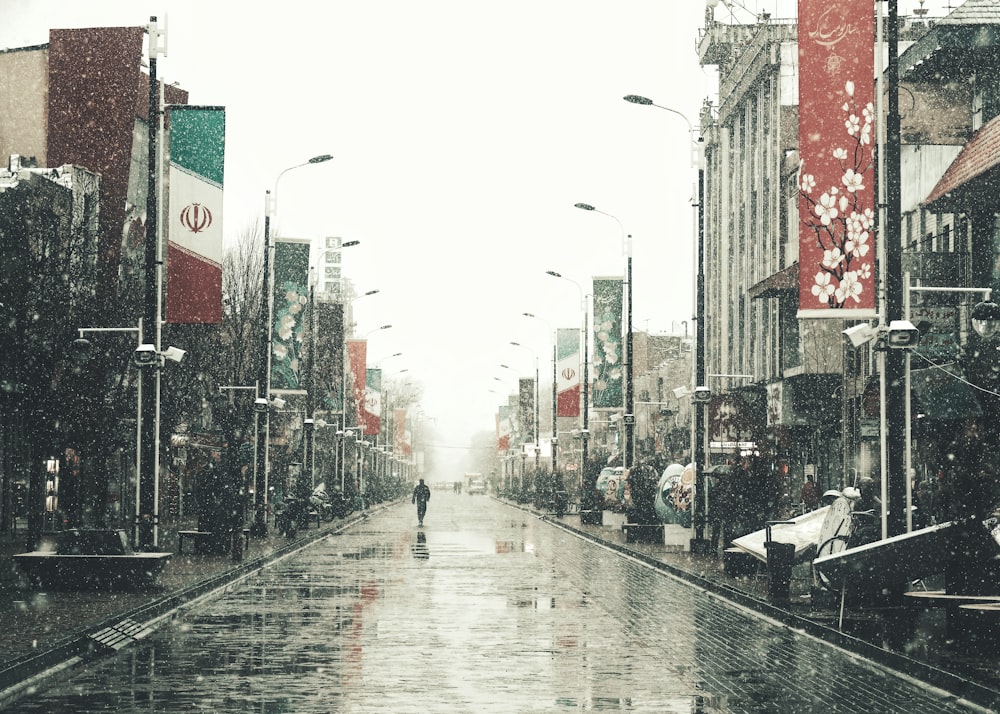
(484, 609)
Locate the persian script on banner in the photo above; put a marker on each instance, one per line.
(837, 167)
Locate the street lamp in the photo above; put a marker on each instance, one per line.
(629, 416)
(361, 428)
(309, 457)
(555, 406)
(698, 544)
(260, 476)
(585, 423)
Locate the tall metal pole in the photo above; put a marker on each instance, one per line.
(629, 396)
(699, 544)
(263, 424)
(894, 372)
(145, 527)
(555, 407)
(538, 450)
(585, 432)
(259, 527)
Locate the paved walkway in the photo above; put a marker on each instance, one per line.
(484, 609)
(39, 630)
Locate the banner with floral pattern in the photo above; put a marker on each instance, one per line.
(836, 151)
(606, 390)
(290, 309)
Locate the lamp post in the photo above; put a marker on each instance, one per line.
(259, 528)
(555, 406)
(538, 449)
(309, 457)
(699, 543)
(629, 416)
(361, 428)
(585, 423)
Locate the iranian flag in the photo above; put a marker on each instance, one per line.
(197, 146)
(568, 372)
(503, 430)
(373, 402)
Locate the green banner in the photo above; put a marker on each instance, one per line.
(607, 378)
(290, 312)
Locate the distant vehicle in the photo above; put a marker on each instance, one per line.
(477, 485)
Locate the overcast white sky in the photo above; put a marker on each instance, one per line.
(463, 133)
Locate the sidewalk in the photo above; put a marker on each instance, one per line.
(42, 629)
(908, 640)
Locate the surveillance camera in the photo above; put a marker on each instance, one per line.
(174, 354)
(278, 402)
(860, 334)
(260, 405)
(554, 441)
(902, 334)
(701, 395)
(79, 350)
(680, 392)
(145, 356)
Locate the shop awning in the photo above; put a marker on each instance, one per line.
(942, 394)
(972, 178)
(785, 280)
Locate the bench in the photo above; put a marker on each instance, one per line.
(98, 558)
(643, 532)
(202, 535)
(194, 536)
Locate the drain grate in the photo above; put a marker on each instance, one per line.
(120, 635)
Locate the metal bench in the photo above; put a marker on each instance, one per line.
(195, 536)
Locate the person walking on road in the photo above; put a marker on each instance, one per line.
(421, 495)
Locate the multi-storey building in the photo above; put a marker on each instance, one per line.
(788, 393)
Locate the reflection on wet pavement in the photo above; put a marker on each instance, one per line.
(482, 610)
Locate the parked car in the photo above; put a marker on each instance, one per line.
(477, 485)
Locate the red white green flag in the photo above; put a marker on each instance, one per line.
(568, 372)
(197, 146)
(503, 429)
(373, 402)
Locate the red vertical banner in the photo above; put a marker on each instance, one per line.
(357, 355)
(836, 44)
(401, 441)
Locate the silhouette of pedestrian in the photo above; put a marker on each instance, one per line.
(421, 495)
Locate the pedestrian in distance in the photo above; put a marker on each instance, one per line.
(421, 495)
(809, 496)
